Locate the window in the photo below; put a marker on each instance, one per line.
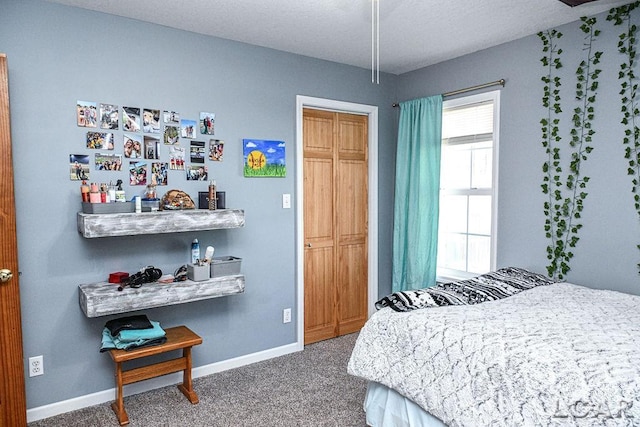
(468, 184)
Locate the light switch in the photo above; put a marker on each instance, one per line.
(286, 201)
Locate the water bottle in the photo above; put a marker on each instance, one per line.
(195, 251)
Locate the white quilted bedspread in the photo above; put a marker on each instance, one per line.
(557, 355)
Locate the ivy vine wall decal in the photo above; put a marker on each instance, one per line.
(566, 188)
(629, 96)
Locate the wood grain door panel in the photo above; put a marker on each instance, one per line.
(318, 201)
(12, 387)
(352, 222)
(352, 203)
(352, 288)
(352, 130)
(320, 294)
(318, 132)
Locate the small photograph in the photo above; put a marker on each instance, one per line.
(151, 120)
(100, 140)
(176, 158)
(159, 173)
(132, 146)
(171, 135)
(196, 152)
(86, 114)
(216, 150)
(171, 118)
(78, 167)
(206, 123)
(188, 128)
(151, 147)
(131, 119)
(109, 116)
(137, 173)
(197, 173)
(108, 162)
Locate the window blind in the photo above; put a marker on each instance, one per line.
(468, 124)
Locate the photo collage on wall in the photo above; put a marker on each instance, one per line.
(136, 135)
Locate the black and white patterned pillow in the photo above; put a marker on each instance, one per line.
(486, 287)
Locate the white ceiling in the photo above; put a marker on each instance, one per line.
(413, 33)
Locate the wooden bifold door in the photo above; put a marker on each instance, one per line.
(335, 223)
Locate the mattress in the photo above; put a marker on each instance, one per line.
(554, 355)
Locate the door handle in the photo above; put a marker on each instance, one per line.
(5, 275)
(308, 245)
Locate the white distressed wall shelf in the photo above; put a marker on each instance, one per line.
(131, 224)
(103, 298)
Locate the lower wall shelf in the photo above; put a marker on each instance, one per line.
(103, 298)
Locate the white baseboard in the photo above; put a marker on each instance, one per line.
(57, 408)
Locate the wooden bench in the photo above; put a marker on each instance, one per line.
(179, 337)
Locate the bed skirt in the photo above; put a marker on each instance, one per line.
(385, 407)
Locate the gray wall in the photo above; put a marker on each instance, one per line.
(58, 55)
(606, 255)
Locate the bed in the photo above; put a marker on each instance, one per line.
(510, 348)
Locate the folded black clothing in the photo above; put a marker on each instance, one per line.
(139, 321)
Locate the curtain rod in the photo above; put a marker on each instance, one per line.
(500, 82)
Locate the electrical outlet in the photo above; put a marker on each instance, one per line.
(286, 315)
(36, 366)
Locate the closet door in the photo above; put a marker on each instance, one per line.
(335, 223)
(352, 222)
(13, 410)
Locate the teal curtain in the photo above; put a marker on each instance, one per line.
(415, 223)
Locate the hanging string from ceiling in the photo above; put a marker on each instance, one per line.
(375, 41)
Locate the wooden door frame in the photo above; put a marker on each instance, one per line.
(371, 111)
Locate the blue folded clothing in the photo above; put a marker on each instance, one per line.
(128, 339)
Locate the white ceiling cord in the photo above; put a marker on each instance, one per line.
(375, 41)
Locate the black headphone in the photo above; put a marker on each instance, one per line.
(146, 275)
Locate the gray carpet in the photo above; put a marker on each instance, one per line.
(307, 388)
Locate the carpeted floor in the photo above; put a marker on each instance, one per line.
(308, 388)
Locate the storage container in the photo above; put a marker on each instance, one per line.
(150, 205)
(225, 266)
(197, 273)
(107, 208)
